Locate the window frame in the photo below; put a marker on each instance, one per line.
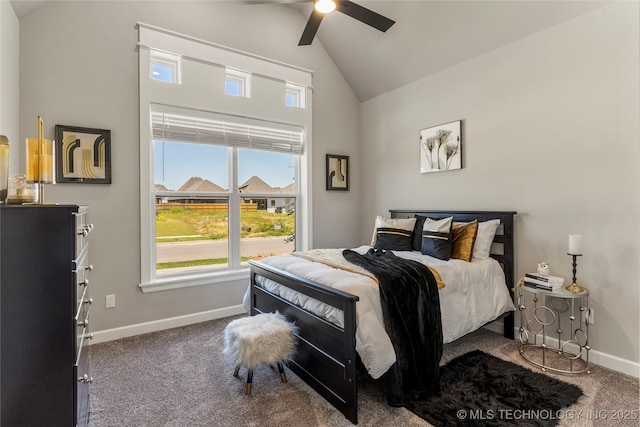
(158, 39)
(234, 199)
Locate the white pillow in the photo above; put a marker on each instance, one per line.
(486, 233)
(381, 221)
(438, 225)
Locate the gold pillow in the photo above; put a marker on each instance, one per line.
(464, 237)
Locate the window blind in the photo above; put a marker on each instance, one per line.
(188, 125)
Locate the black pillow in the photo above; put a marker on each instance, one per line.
(437, 239)
(417, 232)
(437, 244)
(393, 239)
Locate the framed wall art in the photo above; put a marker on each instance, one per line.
(337, 172)
(441, 148)
(83, 155)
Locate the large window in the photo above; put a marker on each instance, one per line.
(221, 182)
(225, 160)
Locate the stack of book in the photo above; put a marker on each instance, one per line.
(548, 283)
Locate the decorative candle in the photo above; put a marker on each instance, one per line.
(575, 244)
(40, 158)
(4, 167)
(40, 163)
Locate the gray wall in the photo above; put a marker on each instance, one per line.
(79, 66)
(550, 129)
(9, 96)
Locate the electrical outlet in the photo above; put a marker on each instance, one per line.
(110, 301)
(590, 316)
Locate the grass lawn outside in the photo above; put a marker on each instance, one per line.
(179, 225)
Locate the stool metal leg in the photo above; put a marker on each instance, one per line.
(249, 381)
(283, 377)
(235, 373)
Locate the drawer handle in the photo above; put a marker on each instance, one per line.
(85, 379)
(84, 323)
(85, 282)
(85, 230)
(88, 301)
(90, 336)
(89, 267)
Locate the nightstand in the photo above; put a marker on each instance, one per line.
(543, 340)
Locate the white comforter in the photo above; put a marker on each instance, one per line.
(475, 293)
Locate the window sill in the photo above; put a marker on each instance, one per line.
(187, 281)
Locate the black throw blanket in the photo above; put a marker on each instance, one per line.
(411, 310)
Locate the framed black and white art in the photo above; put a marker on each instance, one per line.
(337, 172)
(441, 148)
(83, 155)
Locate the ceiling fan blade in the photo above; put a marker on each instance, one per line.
(311, 29)
(365, 15)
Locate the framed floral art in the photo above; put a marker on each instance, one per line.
(441, 148)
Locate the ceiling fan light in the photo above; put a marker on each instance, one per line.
(325, 6)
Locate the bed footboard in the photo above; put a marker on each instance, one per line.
(326, 357)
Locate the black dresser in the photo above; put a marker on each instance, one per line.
(44, 315)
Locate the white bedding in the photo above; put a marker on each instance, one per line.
(475, 293)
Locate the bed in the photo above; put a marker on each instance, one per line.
(331, 331)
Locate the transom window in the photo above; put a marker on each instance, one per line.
(237, 83)
(294, 96)
(165, 67)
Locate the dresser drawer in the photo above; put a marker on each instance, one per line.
(81, 271)
(84, 379)
(83, 228)
(82, 313)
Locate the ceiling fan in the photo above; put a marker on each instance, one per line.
(322, 7)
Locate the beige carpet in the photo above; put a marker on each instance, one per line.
(178, 378)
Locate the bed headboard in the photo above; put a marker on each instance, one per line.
(502, 249)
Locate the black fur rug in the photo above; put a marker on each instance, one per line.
(478, 389)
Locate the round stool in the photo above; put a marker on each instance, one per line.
(263, 338)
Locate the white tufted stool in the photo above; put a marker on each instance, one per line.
(252, 341)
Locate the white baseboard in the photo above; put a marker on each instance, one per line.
(162, 324)
(609, 361)
(596, 357)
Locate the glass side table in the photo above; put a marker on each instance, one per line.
(543, 315)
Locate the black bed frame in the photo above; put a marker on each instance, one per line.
(326, 357)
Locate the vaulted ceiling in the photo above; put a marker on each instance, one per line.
(428, 37)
